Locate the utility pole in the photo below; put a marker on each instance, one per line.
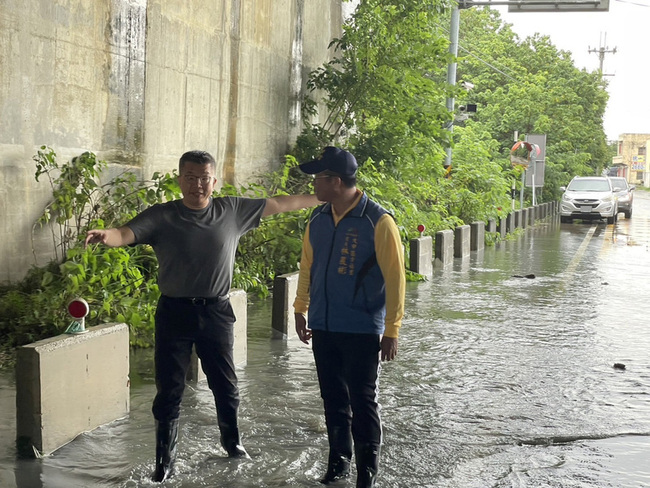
(602, 50)
(451, 72)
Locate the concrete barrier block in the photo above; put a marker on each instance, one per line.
(284, 293)
(70, 384)
(444, 248)
(510, 223)
(525, 217)
(239, 302)
(503, 226)
(461, 241)
(492, 226)
(421, 255)
(477, 236)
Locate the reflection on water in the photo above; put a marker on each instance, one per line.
(500, 382)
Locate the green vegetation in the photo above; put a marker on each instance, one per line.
(531, 87)
(382, 97)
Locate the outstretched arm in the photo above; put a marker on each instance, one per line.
(287, 203)
(116, 237)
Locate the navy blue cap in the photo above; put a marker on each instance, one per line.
(332, 159)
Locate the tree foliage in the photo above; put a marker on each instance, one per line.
(382, 90)
(531, 87)
(385, 95)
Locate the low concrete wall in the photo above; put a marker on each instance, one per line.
(510, 223)
(444, 248)
(525, 217)
(421, 255)
(492, 226)
(284, 293)
(239, 302)
(503, 227)
(70, 384)
(477, 236)
(461, 241)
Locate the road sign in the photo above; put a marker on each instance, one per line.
(536, 171)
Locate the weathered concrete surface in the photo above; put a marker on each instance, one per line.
(71, 384)
(139, 82)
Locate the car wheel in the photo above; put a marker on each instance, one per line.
(628, 214)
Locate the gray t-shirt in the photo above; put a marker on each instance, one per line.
(196, 248)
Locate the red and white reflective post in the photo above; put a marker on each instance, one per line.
(77, 309)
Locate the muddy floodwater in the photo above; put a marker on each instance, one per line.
(500, 381)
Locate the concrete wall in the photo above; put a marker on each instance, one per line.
(139, 82)
(70, 384)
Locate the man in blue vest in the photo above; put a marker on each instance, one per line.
(351, 285)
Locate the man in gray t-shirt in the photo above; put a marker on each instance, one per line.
(195, 240)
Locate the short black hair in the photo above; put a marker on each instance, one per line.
(197, 157)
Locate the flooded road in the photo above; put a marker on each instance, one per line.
(500, 382)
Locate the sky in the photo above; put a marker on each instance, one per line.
(626, 28)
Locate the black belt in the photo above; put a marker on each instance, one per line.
(197, 300)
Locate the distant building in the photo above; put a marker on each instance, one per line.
(630, 161)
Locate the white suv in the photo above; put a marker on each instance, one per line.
(589, 198)
(624, 195)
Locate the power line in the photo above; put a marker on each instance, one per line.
(488, 64)
(462, 48)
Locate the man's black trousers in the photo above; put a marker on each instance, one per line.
(208, 325)
(348, 370)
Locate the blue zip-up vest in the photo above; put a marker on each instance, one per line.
(347, 289)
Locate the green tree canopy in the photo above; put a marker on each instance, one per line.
(531, 87)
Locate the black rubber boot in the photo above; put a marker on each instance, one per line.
(166, 442)
(231, 442)
(367, 458)
(338, 467)
(338, 463)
